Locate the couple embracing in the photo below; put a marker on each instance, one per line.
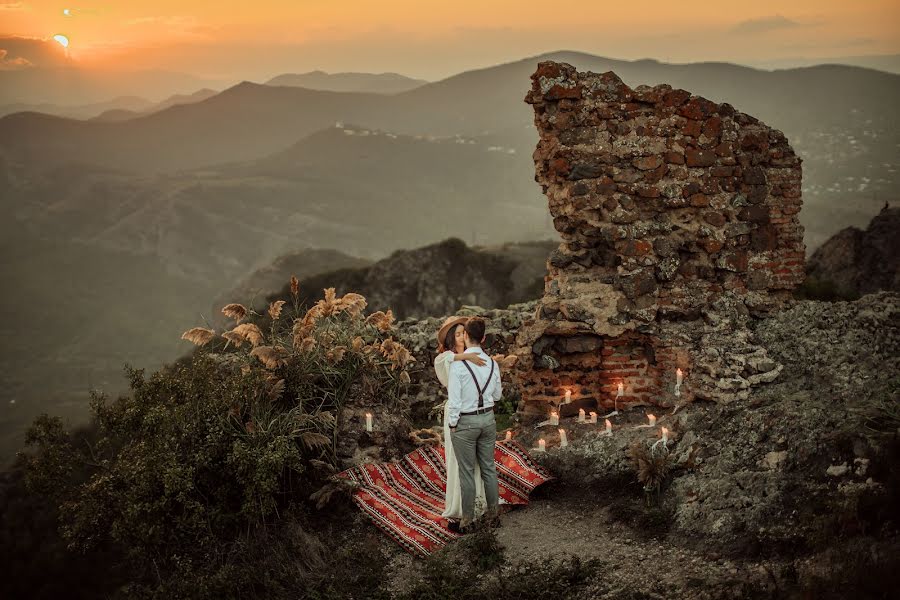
(472, 379)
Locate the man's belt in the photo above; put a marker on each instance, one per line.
(480, 411)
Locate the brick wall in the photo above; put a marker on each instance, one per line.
(664, 202)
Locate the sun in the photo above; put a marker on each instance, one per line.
(63, 40)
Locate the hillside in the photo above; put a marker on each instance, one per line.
(439, 278)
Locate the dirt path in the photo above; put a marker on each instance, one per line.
(559, 523)
(639, 567)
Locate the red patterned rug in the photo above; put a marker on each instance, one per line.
(406, 499)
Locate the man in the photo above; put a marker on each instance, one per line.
(473, 390)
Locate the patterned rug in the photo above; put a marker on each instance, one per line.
(406, 499)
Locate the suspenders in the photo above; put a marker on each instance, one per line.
(478, 387)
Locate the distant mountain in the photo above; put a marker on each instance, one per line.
(131, 104)
(889, 63)
(858, 262)
(842, 120)
(118, 109)
(380, 83)
(82, 86)
(123, 114)
(439, 278)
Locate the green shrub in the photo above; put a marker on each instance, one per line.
(206, 458)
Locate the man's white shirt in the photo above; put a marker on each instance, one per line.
(462, 393)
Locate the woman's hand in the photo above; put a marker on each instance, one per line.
(472, 358)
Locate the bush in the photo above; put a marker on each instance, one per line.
(190, 472)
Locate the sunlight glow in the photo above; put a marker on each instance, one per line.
(63, 40)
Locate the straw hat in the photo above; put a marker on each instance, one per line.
(448, 323)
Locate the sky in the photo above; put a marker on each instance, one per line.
(429, 39)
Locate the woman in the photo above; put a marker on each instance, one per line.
(452, 347)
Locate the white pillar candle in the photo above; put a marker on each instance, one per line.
(542, 446)
(665, 435)
(581, 415)
(679, 376)
(621, 390)
(593, 417)
(563, 440)
(368, 421)
(568, 396)
(652, 419)
(608, 426)
(554, 418)
(508, 435)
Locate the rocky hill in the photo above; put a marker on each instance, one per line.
(440, 278)
(854, 262)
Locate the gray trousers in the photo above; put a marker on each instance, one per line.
(474, 440)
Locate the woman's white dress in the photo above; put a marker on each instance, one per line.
(453, 498)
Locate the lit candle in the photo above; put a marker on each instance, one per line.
(621, 391)
(568, 396)
(665, 435)
(542, 446)
(608, 427)
(652, 419)
(563, 440)
(593, 417)
(368, 421)
(581, 415)
(678, 378)
(554, 418)
(508, 435)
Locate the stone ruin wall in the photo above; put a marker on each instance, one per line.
(666, 203)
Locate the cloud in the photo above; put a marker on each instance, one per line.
(12, 64)
(22, 52)
(764, 24)
(12, 6)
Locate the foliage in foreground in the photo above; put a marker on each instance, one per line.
(192, 473)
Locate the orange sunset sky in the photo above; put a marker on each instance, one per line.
(430, 40)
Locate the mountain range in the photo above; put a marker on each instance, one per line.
(121, 229)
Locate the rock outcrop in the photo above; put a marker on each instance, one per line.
(439, 278)
(857, 262)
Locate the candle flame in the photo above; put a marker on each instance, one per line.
(368, 414)
(608, 424)
(665, 432)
